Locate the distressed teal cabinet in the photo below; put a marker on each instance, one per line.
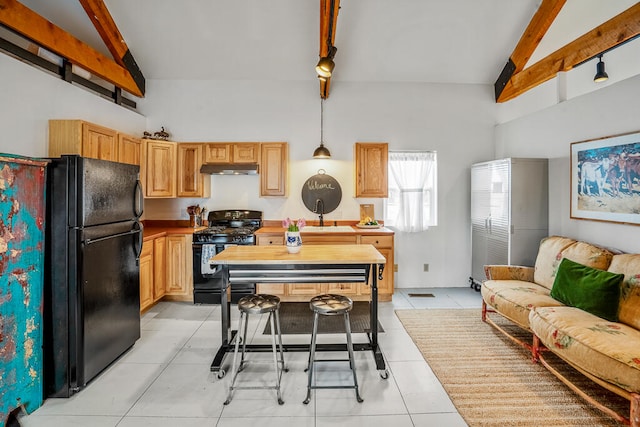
(22, 214)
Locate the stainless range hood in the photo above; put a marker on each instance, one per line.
(229, 169)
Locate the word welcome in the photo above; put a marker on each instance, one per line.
(314, 185)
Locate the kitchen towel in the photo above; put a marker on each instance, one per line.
(208, 251)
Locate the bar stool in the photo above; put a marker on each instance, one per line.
(331, 305)
(258, 304)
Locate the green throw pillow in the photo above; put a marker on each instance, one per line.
(590, 289)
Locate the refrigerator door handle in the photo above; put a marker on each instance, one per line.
(100, 239)
(139, 230)
(138, 203)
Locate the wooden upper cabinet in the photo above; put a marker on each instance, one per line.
(130, 149)
(99, 142)
(371, 161)
(161, 168)
(245, 152)
(191, 183)
(274, 158)
(83, 138)
(217, 153)
(232, 152)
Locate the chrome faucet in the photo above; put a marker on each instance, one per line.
(320, 203)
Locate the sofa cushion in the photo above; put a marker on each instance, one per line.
(608, 350)
(553, 249)
(629, 265)
(589, 255)
(593, 290)
(549, 255)
(514, 298)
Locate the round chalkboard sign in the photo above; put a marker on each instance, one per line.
(321, 192)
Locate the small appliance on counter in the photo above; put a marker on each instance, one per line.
(92, 277)
(226, 228)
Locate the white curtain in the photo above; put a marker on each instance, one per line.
(411, 206)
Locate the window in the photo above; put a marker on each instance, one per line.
(412, 203)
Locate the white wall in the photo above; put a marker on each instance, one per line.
(29, 97)
(611, 110)
(455, 120)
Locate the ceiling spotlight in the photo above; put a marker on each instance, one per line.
(326, 65)
(321, 152)
(601, 75)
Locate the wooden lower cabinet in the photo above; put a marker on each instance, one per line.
(384, 245)
(159, 267)
(153, 272)
(179, 285)
(146, 275)
(356, 291)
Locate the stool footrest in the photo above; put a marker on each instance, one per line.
(246, 387)
(314, 387)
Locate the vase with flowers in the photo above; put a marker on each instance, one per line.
(292, 234)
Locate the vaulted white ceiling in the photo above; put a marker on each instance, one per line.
(453, 41)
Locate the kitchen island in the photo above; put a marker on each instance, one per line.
(344, 234)
(315, 264)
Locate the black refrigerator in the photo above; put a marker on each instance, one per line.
(93, 241)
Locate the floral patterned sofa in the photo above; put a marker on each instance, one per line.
(606, 351)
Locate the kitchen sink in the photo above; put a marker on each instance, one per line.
(328, 229)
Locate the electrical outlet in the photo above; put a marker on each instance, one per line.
(425, 267)
(395, 268)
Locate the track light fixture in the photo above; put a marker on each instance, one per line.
(325, 64)
(601, 75)
(321, 152)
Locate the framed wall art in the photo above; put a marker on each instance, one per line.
(605, 179)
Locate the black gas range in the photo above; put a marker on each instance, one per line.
(226, 228)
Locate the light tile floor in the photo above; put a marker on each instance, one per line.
(165, 380)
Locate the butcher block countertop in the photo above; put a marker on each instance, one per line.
(354, 230)
(309, 254)
(153, 232)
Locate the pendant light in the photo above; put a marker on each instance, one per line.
(321, 152)
(601, 75)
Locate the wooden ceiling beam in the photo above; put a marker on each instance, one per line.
(105, 25)
(29, 24)
(325, 22)
(616, 31)
(535, 31)
(537, 28)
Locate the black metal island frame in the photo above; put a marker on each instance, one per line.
(313, 264)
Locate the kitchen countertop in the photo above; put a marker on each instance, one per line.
(155, 231)
(355, 230)
(310, 254)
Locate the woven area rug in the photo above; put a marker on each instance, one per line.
(492, 381)
(297, 318)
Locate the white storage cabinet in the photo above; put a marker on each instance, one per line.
(509, 213)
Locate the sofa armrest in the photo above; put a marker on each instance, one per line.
(509, 272)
